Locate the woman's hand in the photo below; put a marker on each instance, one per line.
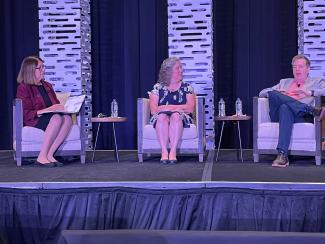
(171, 108)
(56, 107)
(53, 108)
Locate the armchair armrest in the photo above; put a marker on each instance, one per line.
(318, 100)
(143, 118)
(82, 122)
(261, 109)
(17, 120)
(200, 118)
(318, 128)
(143, 115)
(318, 103)
(260, 115)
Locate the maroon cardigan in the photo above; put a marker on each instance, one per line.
(33, 101)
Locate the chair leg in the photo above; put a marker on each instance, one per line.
(256, 157)
(18, 160)
(140, 157)
(318, 160)
(83, 159)
(201, 156)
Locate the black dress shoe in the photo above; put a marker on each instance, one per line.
(58, 164)
(174, 161)
(164, 161)
(46, 165)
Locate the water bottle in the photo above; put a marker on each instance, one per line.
(222, 107)
(239, 107)
(114, 109)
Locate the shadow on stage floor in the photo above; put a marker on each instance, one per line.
(187, 173)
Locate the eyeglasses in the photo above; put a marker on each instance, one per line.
(40, 67)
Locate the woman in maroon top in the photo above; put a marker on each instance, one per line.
(38, 97)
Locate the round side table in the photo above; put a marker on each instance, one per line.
(235, 119)
(112, 120)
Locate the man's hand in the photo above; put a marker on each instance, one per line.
(301, 93)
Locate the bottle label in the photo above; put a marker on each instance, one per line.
(114, 109)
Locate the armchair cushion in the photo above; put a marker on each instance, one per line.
(32, 134)
(300, 131)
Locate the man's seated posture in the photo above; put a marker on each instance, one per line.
(291, 101)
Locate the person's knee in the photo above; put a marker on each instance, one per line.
(162, 118)
(285, 114)
(67, 120)
(56, 119)
(272, 94)
(175, 118)
(284, 108)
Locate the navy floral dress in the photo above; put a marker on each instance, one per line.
(167, 97)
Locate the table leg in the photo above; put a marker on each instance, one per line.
(115, 143)
(240, 146)
(223, 123)
(94, 150)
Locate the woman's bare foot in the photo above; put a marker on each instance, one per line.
(51, 159)
(172, 155)
(164, 155)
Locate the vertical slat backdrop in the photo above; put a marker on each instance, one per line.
(64, 41)
(311, 31)
(190, 39)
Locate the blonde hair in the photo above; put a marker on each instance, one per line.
(27, 70)
(301, 56)
(166, 70)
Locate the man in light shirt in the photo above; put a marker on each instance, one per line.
(291, 101)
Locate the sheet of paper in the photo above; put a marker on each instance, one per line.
(73, 104)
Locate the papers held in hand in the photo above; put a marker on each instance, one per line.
(71, 106)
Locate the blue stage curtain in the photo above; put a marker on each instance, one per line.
(38, 216)
(254, 41)
(18, 39)
(129, 42)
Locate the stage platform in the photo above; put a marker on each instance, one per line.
(37, 203)
(302, 174)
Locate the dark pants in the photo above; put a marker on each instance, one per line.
(287, 111)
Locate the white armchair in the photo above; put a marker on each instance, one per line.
(193, 138)
(305, 140)
(27, 140)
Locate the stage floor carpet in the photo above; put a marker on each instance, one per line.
(188, 173)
